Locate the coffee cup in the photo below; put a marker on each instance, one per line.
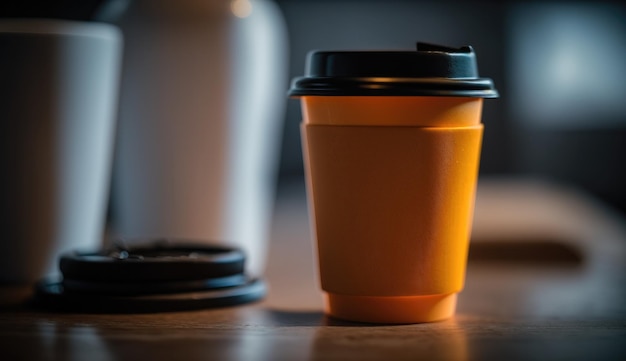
(58, 104)
(392, 141)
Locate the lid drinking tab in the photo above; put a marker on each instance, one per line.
(430, 70)
(441, 48)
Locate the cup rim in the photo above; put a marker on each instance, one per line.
(56, 27)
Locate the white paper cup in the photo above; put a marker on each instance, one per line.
(58, 97)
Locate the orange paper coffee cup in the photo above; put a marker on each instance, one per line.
(391, 176)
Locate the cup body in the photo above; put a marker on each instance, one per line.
(58, 98)
(391, 184)
(200, 123)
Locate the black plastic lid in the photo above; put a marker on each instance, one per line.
(157, 261)
(432, 70)
(152, 276)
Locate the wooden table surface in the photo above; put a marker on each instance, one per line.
(546, 281)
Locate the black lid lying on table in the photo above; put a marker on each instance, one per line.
(158, 276)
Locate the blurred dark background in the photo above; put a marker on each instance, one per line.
(560, 68)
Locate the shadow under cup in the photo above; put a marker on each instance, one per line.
(391, 182)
